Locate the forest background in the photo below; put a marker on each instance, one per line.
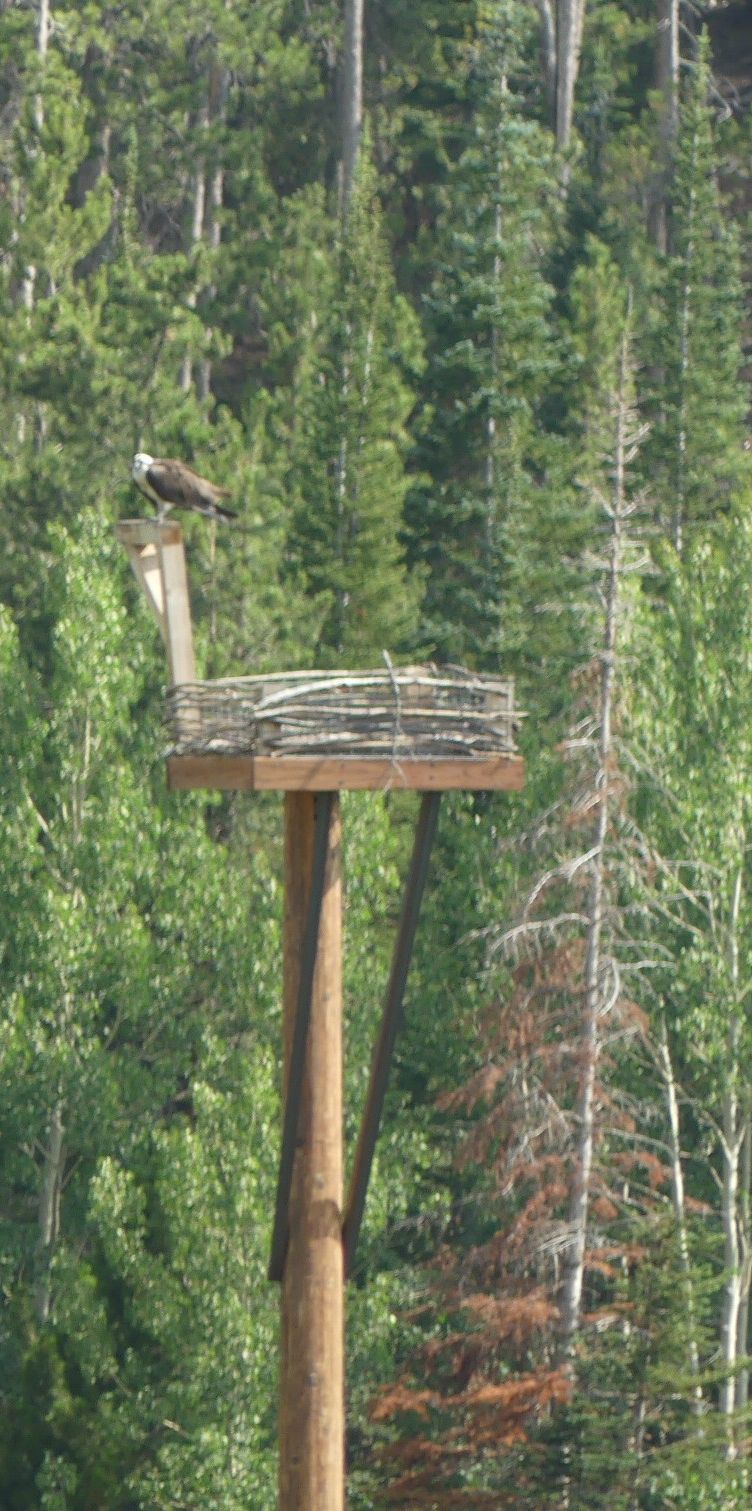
(452, 297)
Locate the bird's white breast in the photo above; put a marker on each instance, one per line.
(139, 470)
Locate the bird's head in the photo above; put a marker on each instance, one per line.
(141, 464)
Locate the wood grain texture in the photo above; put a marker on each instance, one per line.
(147, 567)
(143, 532)
(177, 612)
(157, 555)
(311, 1476)
(343, 773)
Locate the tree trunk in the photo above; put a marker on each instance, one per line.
(562, 23)
(352, 100)
(29, 279)
(491, 434)
(742, 1331)
(208, 196)
(667, 82)
(684, 361)
(679, 1206)
(732, 1284)
(43, 42)
(595, 966)
(49, 1210)
(28, 286)
(570, 23)
(548, 56)
(732, 1142)
(196, 232)
(219, 80)
(213, 237)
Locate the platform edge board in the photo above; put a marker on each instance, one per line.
(146, 532)
(247, 773)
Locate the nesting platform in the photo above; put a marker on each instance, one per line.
(312, 734)
(418, 726)
(432, 729)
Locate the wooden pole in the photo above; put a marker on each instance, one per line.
(311, 1476)
(157, 556)
(177, 612)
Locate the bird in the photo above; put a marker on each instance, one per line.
(171, 484)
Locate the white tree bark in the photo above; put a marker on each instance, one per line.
(352, 100)
(49, 1210)
(44, 21)
(742, 1332)
(213, 239)
(562, 25)
(547, 15)
(679, 1205)
(685, 311)
(208, 198)
(351, 132)
(596, 967)
(732, 1285)
(29, 279)
(196, 231)
(569, 28)
(735, 1134)
(667, 81)
(489, 467)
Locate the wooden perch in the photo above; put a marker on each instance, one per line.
(157, 556)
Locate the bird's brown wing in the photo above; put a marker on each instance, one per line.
(177, 484)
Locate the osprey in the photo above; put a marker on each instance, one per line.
(171, 484)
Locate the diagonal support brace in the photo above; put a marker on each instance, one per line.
(281, 1231)
(390, 1024)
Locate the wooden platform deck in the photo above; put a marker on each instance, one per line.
(423, 727)
(248, 773)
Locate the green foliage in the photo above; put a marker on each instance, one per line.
(633, 1428)
(490, 357)
(349, 480)
(106, 1020)
(411, 411)
(696, 458)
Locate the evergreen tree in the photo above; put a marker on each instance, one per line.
(349, 478)
(695, 458)
(172, 275)
(490, 358)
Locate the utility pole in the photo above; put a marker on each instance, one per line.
(312, 1414)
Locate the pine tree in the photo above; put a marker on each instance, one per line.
(490, 356)
(695, 459)
(348, 479)
(542, 1112)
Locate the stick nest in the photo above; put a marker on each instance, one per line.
(401, 713)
